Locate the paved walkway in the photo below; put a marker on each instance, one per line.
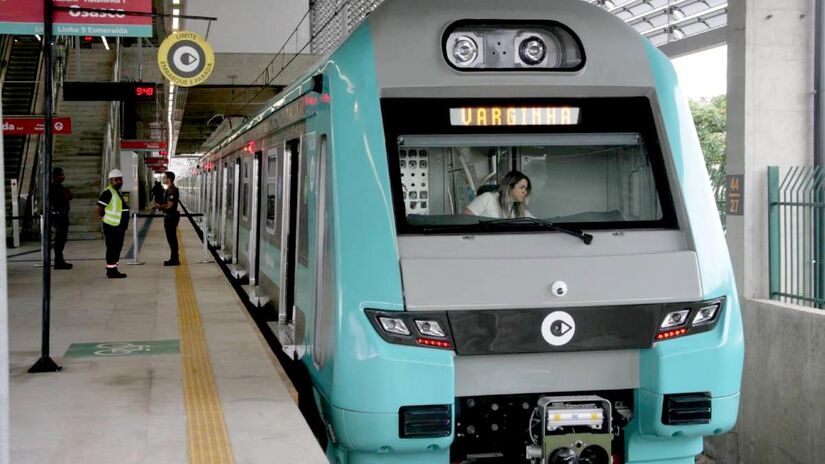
(130, 401)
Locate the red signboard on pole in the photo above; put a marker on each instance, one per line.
(143, 144)
(74, 17)
(32, 125)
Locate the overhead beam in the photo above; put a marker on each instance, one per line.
(696, 43)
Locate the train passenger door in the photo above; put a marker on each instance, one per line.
(291, 185)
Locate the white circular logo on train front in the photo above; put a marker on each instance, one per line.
(558, 328)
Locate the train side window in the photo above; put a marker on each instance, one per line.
(271, 190)
(230, 190)
(304, 186)
(325, 263)
(245, 191)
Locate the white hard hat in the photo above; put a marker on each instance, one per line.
(115, 173)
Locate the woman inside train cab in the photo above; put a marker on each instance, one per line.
(509, 201)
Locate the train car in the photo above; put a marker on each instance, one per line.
(372, 212)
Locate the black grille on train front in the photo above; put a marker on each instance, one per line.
(686, 409)
(425, 421)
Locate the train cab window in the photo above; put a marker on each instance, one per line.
(271, 190)
(449, 178)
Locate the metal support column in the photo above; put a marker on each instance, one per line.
(45, 363)
(819, 150)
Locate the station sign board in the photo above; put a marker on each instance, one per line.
(138, 145)
(71, 17)
(186, 58)
(34, 125)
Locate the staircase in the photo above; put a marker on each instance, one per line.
(81, 153)
(19, 90)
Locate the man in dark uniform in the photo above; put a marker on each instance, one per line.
(113, 212)
(172, 218)
(60, 197)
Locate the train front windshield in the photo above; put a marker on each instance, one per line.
(454, 179)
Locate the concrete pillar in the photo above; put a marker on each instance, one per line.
(770, 117)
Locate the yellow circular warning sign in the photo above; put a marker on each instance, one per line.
(186, 59)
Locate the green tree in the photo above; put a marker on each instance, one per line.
(710, 117)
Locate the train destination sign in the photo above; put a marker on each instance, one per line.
(487, 116)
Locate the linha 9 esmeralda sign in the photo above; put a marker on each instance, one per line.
(111, 18)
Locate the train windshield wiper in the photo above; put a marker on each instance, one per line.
(583, 236)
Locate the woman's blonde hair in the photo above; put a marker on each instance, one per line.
(509, 207)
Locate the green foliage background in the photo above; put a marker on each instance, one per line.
(710, 117)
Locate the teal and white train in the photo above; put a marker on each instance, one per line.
(605, 329)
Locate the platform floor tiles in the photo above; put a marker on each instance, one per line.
(135, 385)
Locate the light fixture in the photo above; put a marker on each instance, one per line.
(394, 325)
(675, 319)
(430, 328)
(465, 50)
(532, 50)
(472, 45)
(705, 314)
(105, 42)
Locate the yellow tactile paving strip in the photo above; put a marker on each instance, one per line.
(207, 436)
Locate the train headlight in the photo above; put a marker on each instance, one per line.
(675, 319)
(430, 328)
(465, 50)
(394, 325)
(480, 45)
(532, 50)
(706, 314)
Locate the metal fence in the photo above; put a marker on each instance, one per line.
(796, 221)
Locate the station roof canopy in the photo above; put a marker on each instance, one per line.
(676, 26)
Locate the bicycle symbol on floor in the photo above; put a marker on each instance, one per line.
(120, 349)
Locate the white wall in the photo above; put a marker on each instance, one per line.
(249, 26)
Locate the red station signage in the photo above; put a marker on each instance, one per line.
(33, 125)
(109, 17)
(143, 144)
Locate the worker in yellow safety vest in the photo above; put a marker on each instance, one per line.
(113, 212)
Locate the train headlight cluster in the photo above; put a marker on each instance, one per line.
(689, 319)
(476, 45)
(428, 329)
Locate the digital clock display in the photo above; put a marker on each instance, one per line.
(144, 91)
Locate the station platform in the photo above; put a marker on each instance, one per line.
(165, 366)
